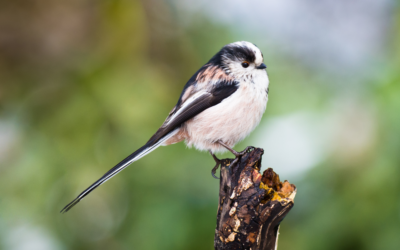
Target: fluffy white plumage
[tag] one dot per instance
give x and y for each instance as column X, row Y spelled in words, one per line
column 236, row 116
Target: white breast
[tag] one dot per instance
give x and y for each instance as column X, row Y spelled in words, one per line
column 231, row 120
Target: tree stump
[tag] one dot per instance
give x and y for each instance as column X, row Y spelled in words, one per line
column 251, row 205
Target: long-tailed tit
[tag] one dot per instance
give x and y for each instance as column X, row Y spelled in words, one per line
column 219, row 106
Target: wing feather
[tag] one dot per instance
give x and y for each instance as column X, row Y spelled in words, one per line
column 193, row 106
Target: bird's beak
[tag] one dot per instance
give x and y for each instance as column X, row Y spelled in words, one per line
column 262, row 66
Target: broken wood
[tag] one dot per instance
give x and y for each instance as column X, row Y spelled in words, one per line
column 251, row 205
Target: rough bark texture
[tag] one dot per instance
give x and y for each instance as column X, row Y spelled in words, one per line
column 251, row 205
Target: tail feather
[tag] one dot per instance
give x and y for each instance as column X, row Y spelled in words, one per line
column 146, row 149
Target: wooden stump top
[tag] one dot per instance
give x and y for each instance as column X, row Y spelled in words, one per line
column 251, row 205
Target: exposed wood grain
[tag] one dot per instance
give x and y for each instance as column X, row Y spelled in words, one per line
column 251, row 205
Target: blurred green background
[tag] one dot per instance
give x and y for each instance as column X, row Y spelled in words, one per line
column 85, row 83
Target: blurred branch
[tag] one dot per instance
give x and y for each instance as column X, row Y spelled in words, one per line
column 251, row 205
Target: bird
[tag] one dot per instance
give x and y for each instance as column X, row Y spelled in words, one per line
column 220, row 105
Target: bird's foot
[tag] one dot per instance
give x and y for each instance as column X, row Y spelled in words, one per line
column 218, row 162
column 241, row 153
column 237, row 157
column 237, row 154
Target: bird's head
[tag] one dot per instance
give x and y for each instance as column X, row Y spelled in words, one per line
column 240, row 60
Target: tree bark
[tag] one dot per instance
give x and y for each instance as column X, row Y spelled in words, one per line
column 251, row 205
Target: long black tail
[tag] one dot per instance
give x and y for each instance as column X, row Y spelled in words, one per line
column 146, row 149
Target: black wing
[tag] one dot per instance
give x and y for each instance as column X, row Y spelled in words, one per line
column 194, row 106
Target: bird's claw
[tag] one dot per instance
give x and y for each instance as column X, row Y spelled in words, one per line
column 218, row 162
column 237, row 156
column 245, row 151
column 214, row 170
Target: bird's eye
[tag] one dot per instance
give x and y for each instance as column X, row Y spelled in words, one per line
column 245, row 64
